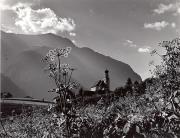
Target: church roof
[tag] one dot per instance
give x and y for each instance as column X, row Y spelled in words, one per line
column 99, row 83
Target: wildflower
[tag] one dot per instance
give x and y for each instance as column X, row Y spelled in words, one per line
column 65, row 68
column 51, row 52
column 64, row 65
column 63, row 51
column 52, row 58
column 66, row 55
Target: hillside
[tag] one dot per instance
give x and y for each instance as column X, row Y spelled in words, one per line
column 21, row 63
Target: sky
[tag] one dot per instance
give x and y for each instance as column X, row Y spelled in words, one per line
column 126, row 30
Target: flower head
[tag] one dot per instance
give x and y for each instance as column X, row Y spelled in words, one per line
column 64, row 52
column 58, row 52
column 65, row 68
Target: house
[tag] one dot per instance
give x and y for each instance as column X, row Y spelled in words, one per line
column 100, row 87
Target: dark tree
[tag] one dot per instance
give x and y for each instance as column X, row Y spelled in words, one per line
column 120, row 92
column 142, row 88
column 6, row 95
column 136, row 87
column 128, row 86
column 81, row 92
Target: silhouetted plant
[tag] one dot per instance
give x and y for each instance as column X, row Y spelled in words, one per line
column 128, row 86
column 136, row 88
column 6, row 95
column 81, row 92
column 120, row 91
column 62, row 76
column 168, row 73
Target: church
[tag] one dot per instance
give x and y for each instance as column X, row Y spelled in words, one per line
column 100, row 87
column 103, row 85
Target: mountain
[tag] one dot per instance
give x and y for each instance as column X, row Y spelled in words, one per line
column 8, row 86
column 21, row 63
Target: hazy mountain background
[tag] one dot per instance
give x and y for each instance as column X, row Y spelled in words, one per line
column 22, row 72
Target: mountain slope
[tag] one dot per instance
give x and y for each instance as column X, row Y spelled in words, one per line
column 7, row 85
column 25, row 69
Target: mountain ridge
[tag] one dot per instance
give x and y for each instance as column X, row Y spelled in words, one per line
column 26, row 62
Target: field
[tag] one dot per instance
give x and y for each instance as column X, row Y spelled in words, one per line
column 122, row 117
column 15, row 106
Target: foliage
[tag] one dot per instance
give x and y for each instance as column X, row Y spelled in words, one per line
column 153, row 114
column 6, row 95
column 167, row 75
column 128, row 86
column 126, row 117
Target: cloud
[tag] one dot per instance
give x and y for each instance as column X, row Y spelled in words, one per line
column 130, row 43
column 140, row 49
column 4, row 7
column 144, row 49
column 39, row 21
column 72, row 34
column 7, row 29
column 173, row 25
column 163, row 8
column 172, row 7
column 157, row 25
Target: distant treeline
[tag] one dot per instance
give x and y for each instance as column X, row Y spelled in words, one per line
column 130, row 88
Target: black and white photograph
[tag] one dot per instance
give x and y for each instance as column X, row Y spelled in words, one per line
column 90, row 69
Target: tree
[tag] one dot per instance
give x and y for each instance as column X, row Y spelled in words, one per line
column 168, row 72
column 6, row 95
column 136, row 87
column 142, row 86
column 81, row 92
column 120, row 92
column 128, row 86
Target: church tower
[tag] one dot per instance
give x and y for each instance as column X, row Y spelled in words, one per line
column 107, row 80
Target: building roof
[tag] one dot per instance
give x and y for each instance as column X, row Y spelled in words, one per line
column 99, row 83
